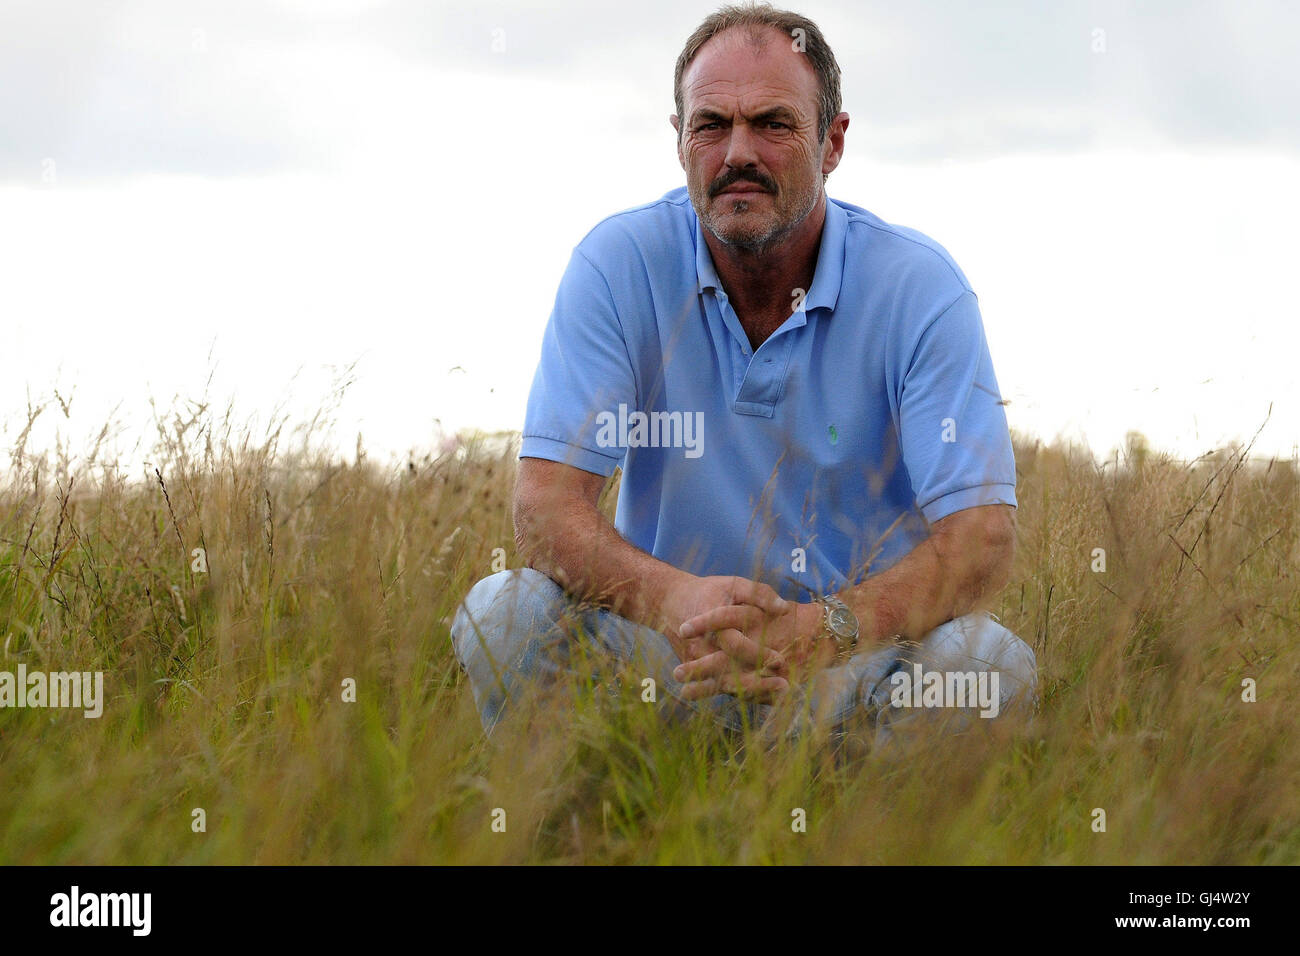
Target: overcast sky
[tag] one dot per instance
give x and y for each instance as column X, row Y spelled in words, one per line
column 265, row 193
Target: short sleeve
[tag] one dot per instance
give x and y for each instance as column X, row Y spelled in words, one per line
column 954, row 436
column 584, row 375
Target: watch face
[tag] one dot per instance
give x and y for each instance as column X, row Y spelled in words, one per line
column 842, row 622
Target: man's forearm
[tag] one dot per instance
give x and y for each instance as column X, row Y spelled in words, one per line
column 965, row 559
column 577, row 547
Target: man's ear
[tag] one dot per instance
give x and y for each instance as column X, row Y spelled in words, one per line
column 833, row 146
column 672, row 118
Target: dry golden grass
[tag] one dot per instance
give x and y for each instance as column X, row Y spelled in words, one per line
column 225, row 694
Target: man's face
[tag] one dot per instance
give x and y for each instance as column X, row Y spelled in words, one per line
column 751, row 124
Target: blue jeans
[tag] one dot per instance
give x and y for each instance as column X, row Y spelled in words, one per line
column 509, row 634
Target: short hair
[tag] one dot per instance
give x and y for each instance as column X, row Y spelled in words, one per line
column 755, row 17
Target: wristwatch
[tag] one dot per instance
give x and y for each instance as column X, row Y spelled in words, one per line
column 840, row 625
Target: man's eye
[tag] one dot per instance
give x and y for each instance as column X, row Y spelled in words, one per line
column 706, row 126
column 775, row 123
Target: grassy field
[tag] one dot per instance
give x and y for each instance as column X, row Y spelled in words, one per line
column 225, row 687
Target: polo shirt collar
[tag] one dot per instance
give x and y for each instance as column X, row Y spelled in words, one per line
column 827, row 278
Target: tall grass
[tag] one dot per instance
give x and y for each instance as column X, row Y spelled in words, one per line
column 225, row 687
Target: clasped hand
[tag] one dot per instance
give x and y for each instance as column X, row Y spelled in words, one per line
column 740, row 637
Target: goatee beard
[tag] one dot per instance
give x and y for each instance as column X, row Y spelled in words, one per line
column 765, row 244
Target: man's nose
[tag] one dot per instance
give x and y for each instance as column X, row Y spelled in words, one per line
column 742, row 147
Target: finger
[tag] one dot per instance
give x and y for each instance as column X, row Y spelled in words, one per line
column 697, row 647
column 733, row 652
column 747, row 651
column 745, row 591
column 710, row 665
column 752, row 686
column 699, row 690
column 749, row 686
column 740, row 616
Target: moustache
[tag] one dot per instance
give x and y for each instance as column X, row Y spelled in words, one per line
column 728, row 181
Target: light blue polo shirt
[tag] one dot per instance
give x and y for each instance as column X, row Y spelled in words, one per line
column 818, row 457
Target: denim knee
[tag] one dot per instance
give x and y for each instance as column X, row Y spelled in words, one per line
column 979, row 642
column 1014, row 660
column 502, row 611
column 502, row 633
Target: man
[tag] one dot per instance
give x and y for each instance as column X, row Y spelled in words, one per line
column 798, row 393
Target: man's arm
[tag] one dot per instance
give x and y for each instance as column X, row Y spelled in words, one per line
column 966, row 559
column 560, row 531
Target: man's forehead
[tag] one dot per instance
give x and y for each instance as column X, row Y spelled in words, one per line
column 730, row 66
